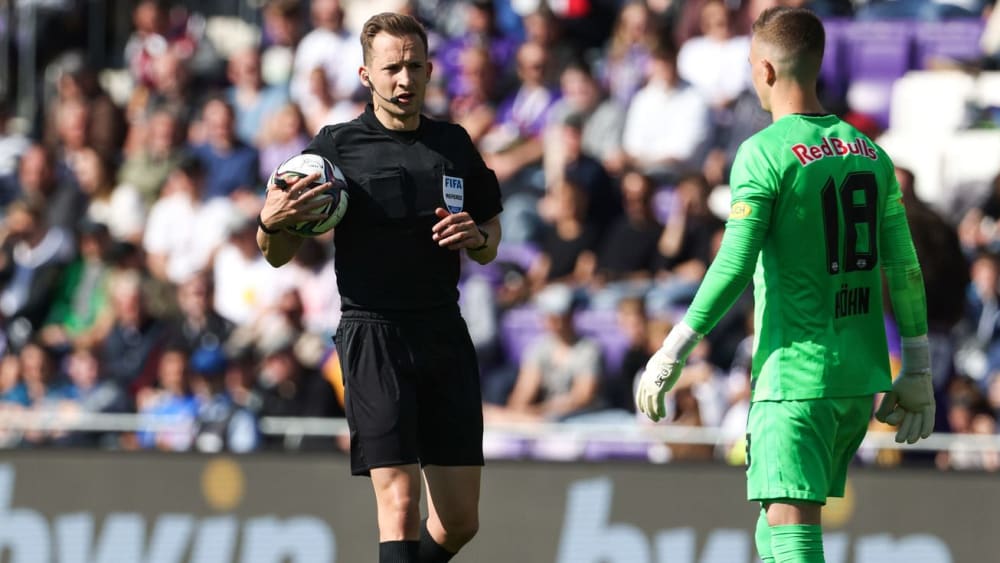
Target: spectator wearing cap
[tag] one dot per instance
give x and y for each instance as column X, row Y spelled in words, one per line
column 561, row 371
column 220, row 425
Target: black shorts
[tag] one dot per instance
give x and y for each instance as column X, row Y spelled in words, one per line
column 411, row 385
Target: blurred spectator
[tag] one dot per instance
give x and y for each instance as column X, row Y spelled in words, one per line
column 129, row 352
column 543, row 28
column 666, row 104
column 288, row 388
column 101, row 123
column 624, row 61
column 220, row 424
column 567, row 244
column 157, row 136
column 560, row 374
column 474, row 92
column 282, row 30
column 514, row 143
column 245, row 285
column 735, row 124
column 171, row 89
column 151, row 37
column 284, row 135
column 573, row 165
column 12, row 144
column 170, row 398
column 329, row 46
column 315, row 276
column 326, row 109
column 979, row 226
column 79, row 315
column 253, row 101
column 634, row 322
column 687, row 244
column 120, row 208
column 946, row 275
column 88, row 392
column 968, row 413
column 628, row 251
column 32, row 256
column 479, row 30
column 230, row 165
column 715, row 62
column 600, row 118
column 184, row 230
column 198, row 325
column 42, row 178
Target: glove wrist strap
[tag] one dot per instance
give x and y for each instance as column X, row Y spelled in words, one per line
column 916, row 356
column 681, row 340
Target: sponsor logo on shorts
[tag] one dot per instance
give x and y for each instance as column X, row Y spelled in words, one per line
column 454, row 193
column 832, row 146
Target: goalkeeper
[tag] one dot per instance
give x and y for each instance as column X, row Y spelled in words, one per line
column 816, row 218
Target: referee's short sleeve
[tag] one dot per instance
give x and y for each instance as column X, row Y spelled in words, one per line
column 482, row 188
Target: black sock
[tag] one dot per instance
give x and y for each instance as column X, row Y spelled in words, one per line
column 430, row 550
column 398, row 552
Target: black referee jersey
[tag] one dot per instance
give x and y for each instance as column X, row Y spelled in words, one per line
column 386, row 259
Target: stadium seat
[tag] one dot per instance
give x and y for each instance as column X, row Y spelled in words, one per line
column 971, row 161
column 921, row 154
column 931, row 103
column 955, row 40
column 988, row 89
column 602, row 326
column 876, row 54
column 519, row 327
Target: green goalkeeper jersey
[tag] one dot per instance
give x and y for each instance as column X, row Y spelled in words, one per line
column 810, row 197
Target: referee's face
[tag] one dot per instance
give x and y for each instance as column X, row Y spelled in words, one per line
column 398, row 73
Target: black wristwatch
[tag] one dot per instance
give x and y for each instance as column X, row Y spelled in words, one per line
column 260, row 223
column 486, row 240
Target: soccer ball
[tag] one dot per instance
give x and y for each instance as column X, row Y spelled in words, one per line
column 302, row 165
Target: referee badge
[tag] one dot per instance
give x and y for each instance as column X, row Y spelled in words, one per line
column 454, row 193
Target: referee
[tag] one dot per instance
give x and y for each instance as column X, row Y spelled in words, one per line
column 419, row 194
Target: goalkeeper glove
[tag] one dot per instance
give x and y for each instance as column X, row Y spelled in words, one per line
column 910, row 403
column 663, row 370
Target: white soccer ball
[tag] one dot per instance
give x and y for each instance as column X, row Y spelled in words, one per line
column 302, row 165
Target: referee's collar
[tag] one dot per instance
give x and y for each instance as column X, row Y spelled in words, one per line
column 409, row 137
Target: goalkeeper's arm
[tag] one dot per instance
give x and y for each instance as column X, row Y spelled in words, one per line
column 910, row 403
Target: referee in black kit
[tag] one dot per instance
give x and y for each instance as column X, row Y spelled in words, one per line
column 419, row 194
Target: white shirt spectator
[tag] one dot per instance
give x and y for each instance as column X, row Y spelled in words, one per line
column 718, row 69
column 246, row 287
column 124, row 213
column 665, row 124
column 187, row 231
column 338, row 53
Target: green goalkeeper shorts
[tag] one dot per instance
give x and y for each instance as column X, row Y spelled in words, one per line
column 800, row 450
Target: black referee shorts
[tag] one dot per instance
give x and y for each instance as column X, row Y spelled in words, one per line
column 411, row 388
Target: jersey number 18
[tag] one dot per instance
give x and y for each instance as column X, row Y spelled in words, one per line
column 856, row 200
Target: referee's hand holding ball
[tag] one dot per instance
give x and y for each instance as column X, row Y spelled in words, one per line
column 287, row 203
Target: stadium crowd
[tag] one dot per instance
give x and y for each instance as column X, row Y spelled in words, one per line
column 130, row 279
